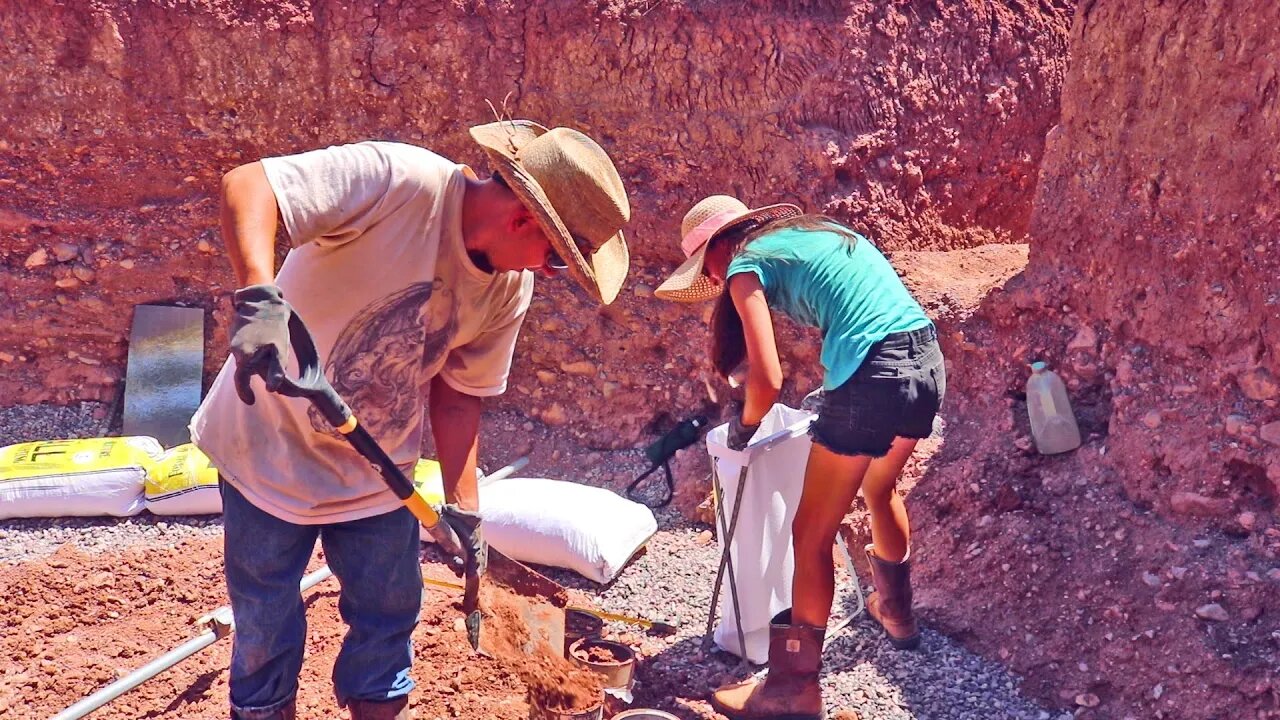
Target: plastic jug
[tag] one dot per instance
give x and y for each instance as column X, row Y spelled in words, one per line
column 1053, row 425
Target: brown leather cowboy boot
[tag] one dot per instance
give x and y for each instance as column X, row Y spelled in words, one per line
column 890, row 604
column 790, row 691
column 397, row 709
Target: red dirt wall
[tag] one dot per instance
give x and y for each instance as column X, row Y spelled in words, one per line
column 1137, row 576
column 921, row 123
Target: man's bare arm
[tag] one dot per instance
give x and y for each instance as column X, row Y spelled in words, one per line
column 455, row 425
column 250, row 217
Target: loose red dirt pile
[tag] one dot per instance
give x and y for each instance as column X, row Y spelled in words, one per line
column 554, row 682
column 75, row 622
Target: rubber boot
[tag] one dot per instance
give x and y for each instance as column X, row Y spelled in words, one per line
column 286, row 712
column 397, row 709
column 790, row 691
column 890, row 604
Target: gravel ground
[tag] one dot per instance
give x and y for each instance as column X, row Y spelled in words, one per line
column 28, row 539
column 31, row 539
column 671, row 581
column 26, row 423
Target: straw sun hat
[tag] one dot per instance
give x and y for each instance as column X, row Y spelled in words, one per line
column 704, row 221
column 569, row 184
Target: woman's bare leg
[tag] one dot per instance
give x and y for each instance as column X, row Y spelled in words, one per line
column 890, row 528
column 831, row 482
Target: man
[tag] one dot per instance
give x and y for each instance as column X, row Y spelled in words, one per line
column 413, row 276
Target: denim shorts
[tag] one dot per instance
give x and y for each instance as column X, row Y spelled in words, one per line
column 896, row 392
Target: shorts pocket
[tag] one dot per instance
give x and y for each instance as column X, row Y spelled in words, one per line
column 939, row 375
column 884, row 371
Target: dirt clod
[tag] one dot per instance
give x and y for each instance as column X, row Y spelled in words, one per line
column 553, row 682
column 600, row 655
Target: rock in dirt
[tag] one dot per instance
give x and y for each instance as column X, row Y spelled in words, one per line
column 1088, row 700
column 1258, row 384
column 1270, row 432
column 36, row 259
column 1212, row 611
column 1189, row 503
column 555, row 415
column 65, row 252
column 581, row 368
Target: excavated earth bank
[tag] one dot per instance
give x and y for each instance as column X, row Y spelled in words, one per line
column 1140, row 575
column 1136, row 577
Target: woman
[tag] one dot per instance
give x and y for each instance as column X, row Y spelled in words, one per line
column 883, row 384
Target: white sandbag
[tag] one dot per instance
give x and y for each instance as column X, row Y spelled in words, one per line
column 589, row 530
column 763, row 555
column 183, row 483
column 66, row 478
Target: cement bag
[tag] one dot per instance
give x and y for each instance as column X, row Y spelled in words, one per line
column 763, row 557
column 589, row 530
column 65, row 478
column 429, row 484
column 183, row 483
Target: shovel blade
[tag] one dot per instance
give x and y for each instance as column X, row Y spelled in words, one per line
column 510, row 593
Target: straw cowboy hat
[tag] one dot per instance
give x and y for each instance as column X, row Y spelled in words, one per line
column 704, row 221
column 570, row 185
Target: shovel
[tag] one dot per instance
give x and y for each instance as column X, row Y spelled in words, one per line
column 539, row 599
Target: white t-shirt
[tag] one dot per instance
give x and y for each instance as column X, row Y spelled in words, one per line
column 379, row 274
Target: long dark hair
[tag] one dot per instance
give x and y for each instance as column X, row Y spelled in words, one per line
column 728, row 343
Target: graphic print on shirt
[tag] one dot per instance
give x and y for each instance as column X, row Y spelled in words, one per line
column 378, row 362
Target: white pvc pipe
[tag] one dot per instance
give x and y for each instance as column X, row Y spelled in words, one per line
column 169, row 659
column 207, row 638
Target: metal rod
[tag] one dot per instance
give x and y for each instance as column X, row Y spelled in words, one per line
column 717, row 498
column 507, row 471
column 726, row 559
column 173, row 657
column 320, row 575
column 733, row 580
column 137, row 677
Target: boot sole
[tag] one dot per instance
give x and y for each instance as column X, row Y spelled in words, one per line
column 908, row 643
column 792, row 716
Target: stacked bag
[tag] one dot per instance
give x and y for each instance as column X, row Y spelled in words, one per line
column 589, row 530
column 118, row 476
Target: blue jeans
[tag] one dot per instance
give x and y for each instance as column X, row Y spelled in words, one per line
column 376, row 561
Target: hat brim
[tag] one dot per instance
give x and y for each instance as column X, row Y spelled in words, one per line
column 604, row 275
column 688, row 284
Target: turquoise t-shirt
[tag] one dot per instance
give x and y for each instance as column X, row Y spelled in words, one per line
column 846, row 289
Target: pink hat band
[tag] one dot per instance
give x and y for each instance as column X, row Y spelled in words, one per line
column 699, row 236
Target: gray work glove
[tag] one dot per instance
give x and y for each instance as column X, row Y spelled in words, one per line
column 739, row 434
column 460, row 537
column 813, row 401
column 259, row 337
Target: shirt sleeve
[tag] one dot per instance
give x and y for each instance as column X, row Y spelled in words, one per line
column 333, row 195
column 481, row 367
column 749, row 264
